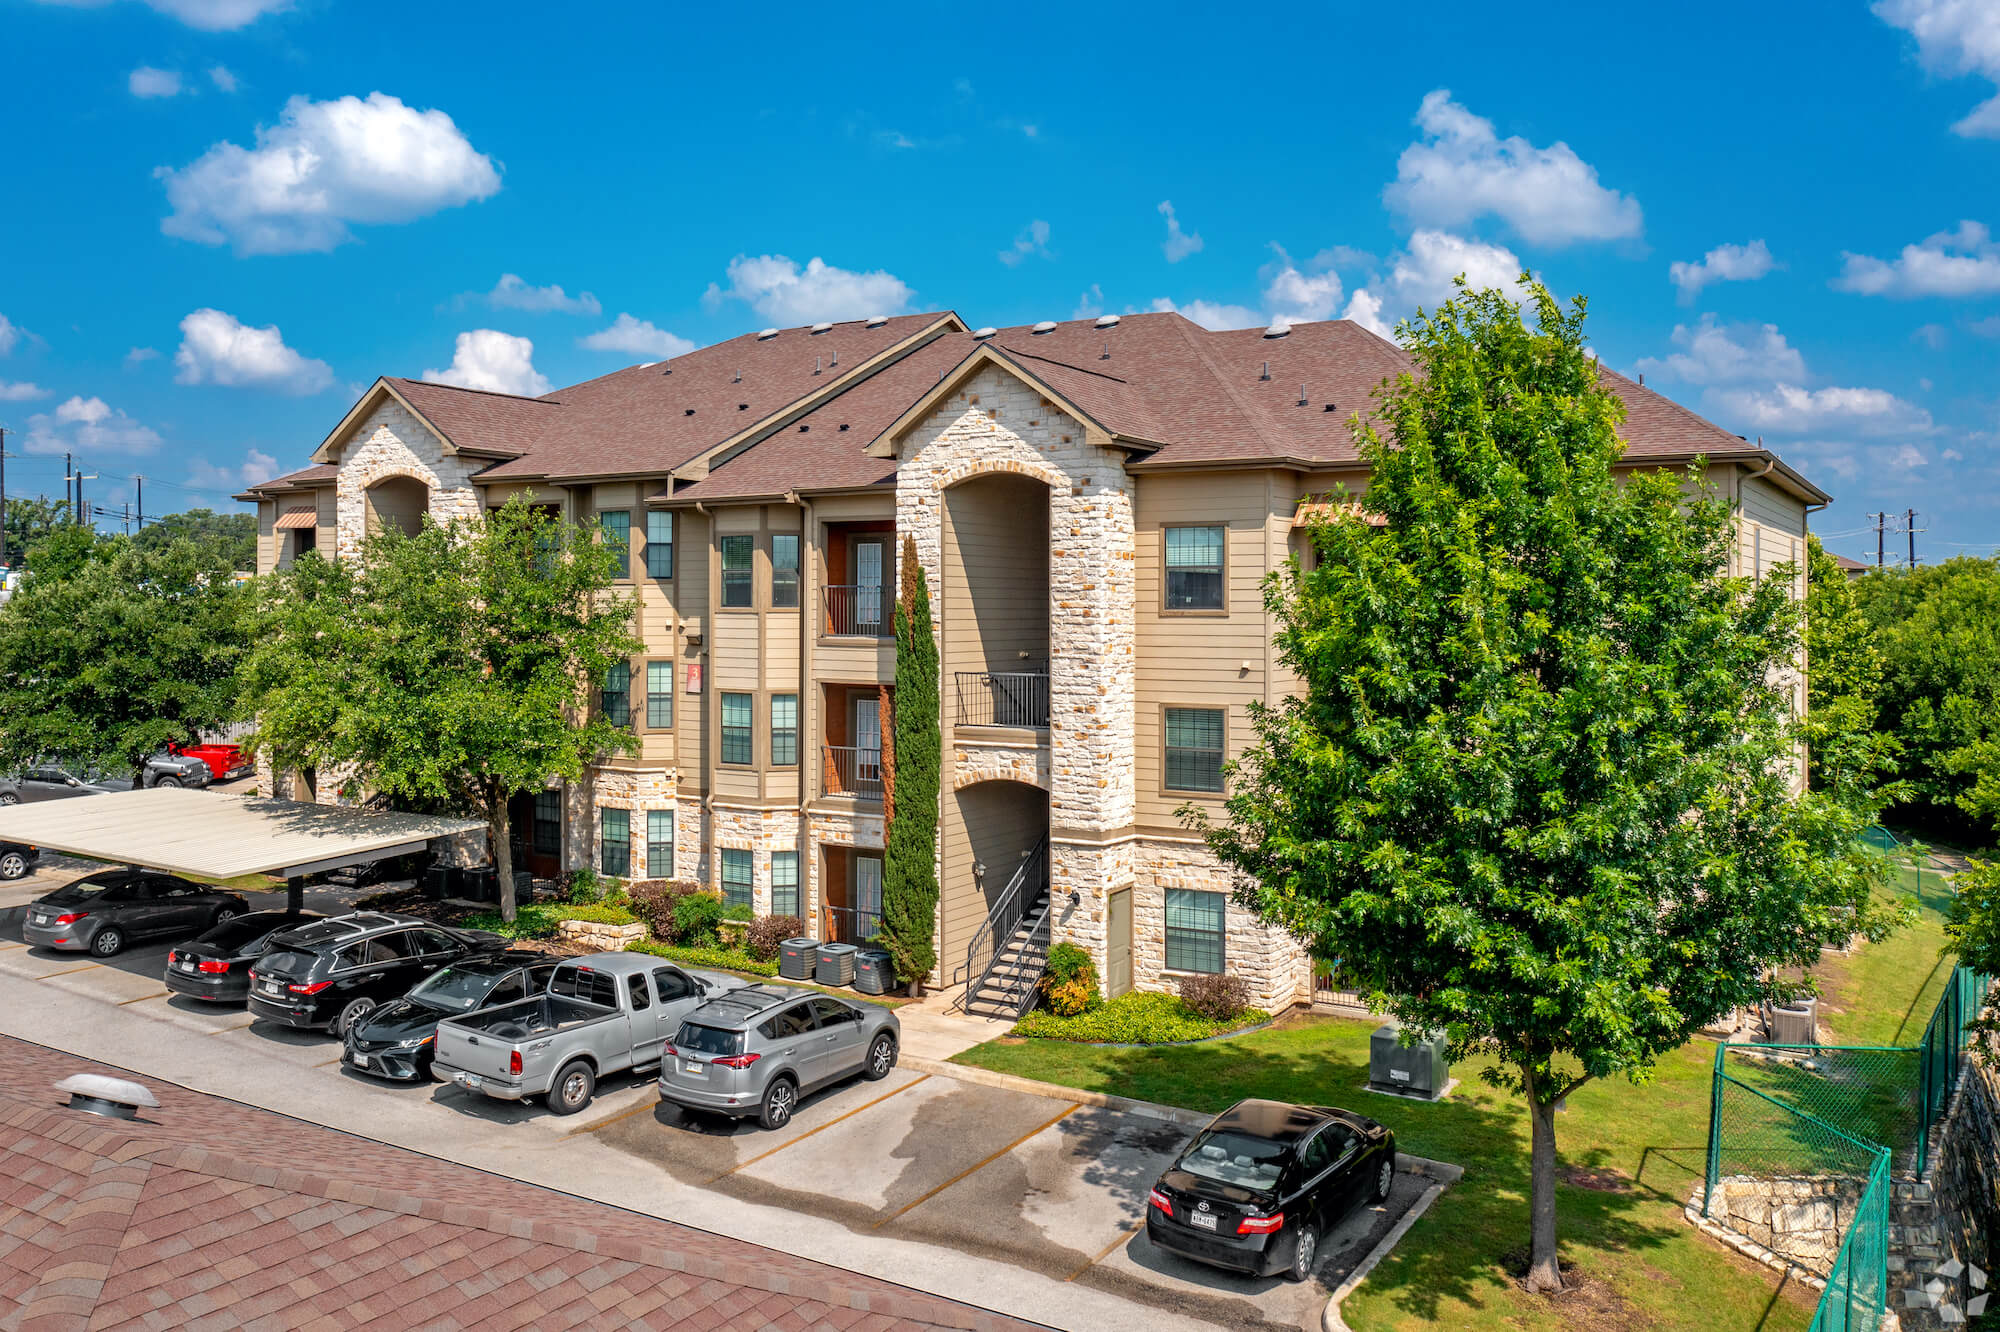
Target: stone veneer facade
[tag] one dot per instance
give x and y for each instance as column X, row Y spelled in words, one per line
column 392, row 443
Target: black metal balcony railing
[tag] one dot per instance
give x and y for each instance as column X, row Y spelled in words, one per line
column 1003, row 698
column 851, row 771
column 859, row 611
column 842, row 924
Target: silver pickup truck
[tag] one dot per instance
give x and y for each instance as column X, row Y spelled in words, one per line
column 601, row 1014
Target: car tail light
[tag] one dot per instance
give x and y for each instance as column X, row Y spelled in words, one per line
column 514, row 1063
column 71, row 918
column 1261, row 1225
column 212, row 966
column 669, row 1050
column 1159, row 1200
column 313, row 988
column 737, row 1061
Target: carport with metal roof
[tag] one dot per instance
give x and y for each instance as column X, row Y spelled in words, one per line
column 207, row 835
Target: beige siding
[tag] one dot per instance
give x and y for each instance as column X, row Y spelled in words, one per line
column 267, row 537
column 1767, row 504
column 990, row 823
column 996, row 575
column 692, row 561
column 327, row 521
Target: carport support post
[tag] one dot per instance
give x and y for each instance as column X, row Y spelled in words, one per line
column 295, row 893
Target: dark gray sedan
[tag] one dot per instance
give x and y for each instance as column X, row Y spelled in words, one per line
column 100, row 913
column 48, row 782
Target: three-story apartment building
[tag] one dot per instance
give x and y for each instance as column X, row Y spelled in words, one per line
column 1096, row 504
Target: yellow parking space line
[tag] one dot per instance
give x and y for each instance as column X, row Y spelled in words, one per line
column 8, row 948
column 67, row 971
column 1105, row 1252
column 241, row 1026
column 609, row 1120
column 973, row 1169
column 144, row 997
column 823, row 1127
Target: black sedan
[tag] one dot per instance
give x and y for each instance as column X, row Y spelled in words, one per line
column 216, row 965
column 1259, row 1188
column 396, row 1041
column 103, row 912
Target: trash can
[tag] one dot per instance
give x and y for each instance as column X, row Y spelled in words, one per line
column 836, row 964
column 1410, row 1070
column 874, row 972
column 438, row 882
column 798, row 958
column 524, row 885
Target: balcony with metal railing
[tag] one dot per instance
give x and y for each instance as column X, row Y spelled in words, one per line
column 1003, row 698
column 848, row 770
column 858, row 611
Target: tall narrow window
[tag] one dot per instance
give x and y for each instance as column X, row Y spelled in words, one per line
column 784, row 730
column 1194, row 749
column 659, row 544
column 1194, row 568
column 1194, row 930
column 616, row 697
column 659, row 695
column 660, row 843
column 867, row 896
column 614, row 842
column 785, row 883
column 738, row 554
column 547, row 837
column 736, row 728
column 738, row 883
column 617, row 528
column 784, row 570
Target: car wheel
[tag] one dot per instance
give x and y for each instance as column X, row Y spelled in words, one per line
column 1385, row 1179
column 353, row 1015
column 780, row 1099
column 107, row 942
column 13, row 865
column 9, row 798
column 1305, row 1253
column 224, row 915
column 574, row 1086
column 881, row 1057
column 167, row 781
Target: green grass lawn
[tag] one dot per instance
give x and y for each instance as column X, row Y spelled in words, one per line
column 1883, row 994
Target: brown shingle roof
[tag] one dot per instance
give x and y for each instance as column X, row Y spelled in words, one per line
column 319, row 475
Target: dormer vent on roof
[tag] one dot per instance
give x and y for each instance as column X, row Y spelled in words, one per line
column 876, row 321
column 981, row 334
column 1277, row 330
column 767, row 334
column 1106, row 321
column 1046, row 326
column 821, row 327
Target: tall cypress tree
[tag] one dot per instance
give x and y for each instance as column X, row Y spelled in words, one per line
column 909, row 865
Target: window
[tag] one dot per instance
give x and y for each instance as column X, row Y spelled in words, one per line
column 635, row 985
column 737, row 887
column 794, row 1021
column 784, row 883
column 660, row 843
column 659, row 695
column 671, row 984
column 431, row 943
column 510, row 990
column 617, row 528
column 616, row 699
column 833, row 1013
column 303, row 540
column 1194, row 930
column 737, row 553
column 573, row 981
column 614, row 842
column 1194, row 749
column 736, row 728
column 784, row 570
column 659, row 544
column 784, row 730
column 547, row 834
column 1194, row 568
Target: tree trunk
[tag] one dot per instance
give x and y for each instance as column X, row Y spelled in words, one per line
column 1544, row 1273
column 503, row 853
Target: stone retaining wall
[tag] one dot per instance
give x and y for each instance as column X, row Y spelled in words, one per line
column 599, row 936
column 1796, row 1221
column 1953, row 1212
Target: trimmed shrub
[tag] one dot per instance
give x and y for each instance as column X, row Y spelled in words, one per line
column 1137, row 1018
column 1217, row 998
column 720, row 959
column 603, row 914
column 583, row 887
column 653, row 900
column 539, row 922
column 1069, row 982
column 695, row 918
column 767, row 932
column 739, row 911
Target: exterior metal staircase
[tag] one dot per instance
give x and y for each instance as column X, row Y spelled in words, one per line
column 1017, row 932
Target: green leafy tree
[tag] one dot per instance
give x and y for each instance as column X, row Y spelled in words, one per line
column 1536, row 785
column 108, row 652
column 909, row 864
column 1843, row 682
column 458, row 665
column 234, row 533
column 29, row 520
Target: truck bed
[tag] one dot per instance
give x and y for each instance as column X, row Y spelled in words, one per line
column 484, row 1041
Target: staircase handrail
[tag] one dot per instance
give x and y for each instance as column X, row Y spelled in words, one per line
column 1011, row 900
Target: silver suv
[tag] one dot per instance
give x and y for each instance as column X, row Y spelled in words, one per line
column 755, row 1051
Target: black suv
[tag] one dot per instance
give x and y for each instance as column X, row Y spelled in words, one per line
column 396, row 1041
column 333, row 973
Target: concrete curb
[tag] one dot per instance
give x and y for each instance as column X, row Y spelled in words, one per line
column 1330, row 1319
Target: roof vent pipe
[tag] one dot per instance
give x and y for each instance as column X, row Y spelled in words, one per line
column 815, row 365
column 1106, row 355
column 1302, row 396
column 738, row 379
column 1642, row 379
column 1267, row 371
column 113, row 1098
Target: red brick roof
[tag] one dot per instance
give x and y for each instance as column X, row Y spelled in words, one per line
column 221, row 1212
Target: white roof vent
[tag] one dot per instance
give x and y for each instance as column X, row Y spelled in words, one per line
column 876, row 321
column 767, row 335
column 821, row 327
column 1046, row 326
column 1107, row 321
column 982, row 334
column 114, row 1098
column 1277, row 330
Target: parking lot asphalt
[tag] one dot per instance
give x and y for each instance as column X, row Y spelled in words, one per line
column 1028, row 1204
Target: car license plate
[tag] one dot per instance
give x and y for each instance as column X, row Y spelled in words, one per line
column 360, row 1060
column 272, row 987
column 1202, row 1220
column 693, row 1069
column 41, row 919
column 187, row 965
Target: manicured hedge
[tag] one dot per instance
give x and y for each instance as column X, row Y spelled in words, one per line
column 539, row 922
column 1137, row 1018
column 721, row 959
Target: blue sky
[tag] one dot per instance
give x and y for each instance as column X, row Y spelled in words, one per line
column 225, row 217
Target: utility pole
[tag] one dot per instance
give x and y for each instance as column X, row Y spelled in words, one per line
column 69, row 479
column 139, row 502
column 1910, row 526
column 81, row 477
column 126, row 512
column 1879, row 518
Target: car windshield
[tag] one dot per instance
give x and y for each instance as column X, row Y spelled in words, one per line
column 695, row 1038
column 1236, row 1158
column 455, row 990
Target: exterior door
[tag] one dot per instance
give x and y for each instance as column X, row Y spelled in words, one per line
column 868, row 606
column 867, row 897
column 182, row 906
column 840, row 1051
column 868, row 743
column 1118, row 945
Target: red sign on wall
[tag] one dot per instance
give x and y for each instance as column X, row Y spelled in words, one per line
column 694, row 677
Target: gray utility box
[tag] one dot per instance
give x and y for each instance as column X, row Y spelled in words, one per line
column 836, row 964
column 1796, row 1023
column 874, row 972
column 1407, row 1070
column 798, row 959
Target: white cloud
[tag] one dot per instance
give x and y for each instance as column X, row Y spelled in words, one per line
column 1090, row 304
column 1988, row 327
column 512, row 293
column 1422, row 273
column 208, row 15
column 1033, row 240
column 1724, row 263
column 1965, row 262
column 219, row 348
column 88, row 426
column 140, row 355
column 146, row 81
column 1788, row 409
column 638, row 337
column 256, row 468
column 21, row 391
column 1214, row 314
column 779, row 290
column 486, row 358
column 1954, row 38
column 10, row 333
column 1712, row 353
column 1179, row 244
column 322, row 167
column 1933, row 336
column 1462, row 170
column 1295, row 297
column 223, row 80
